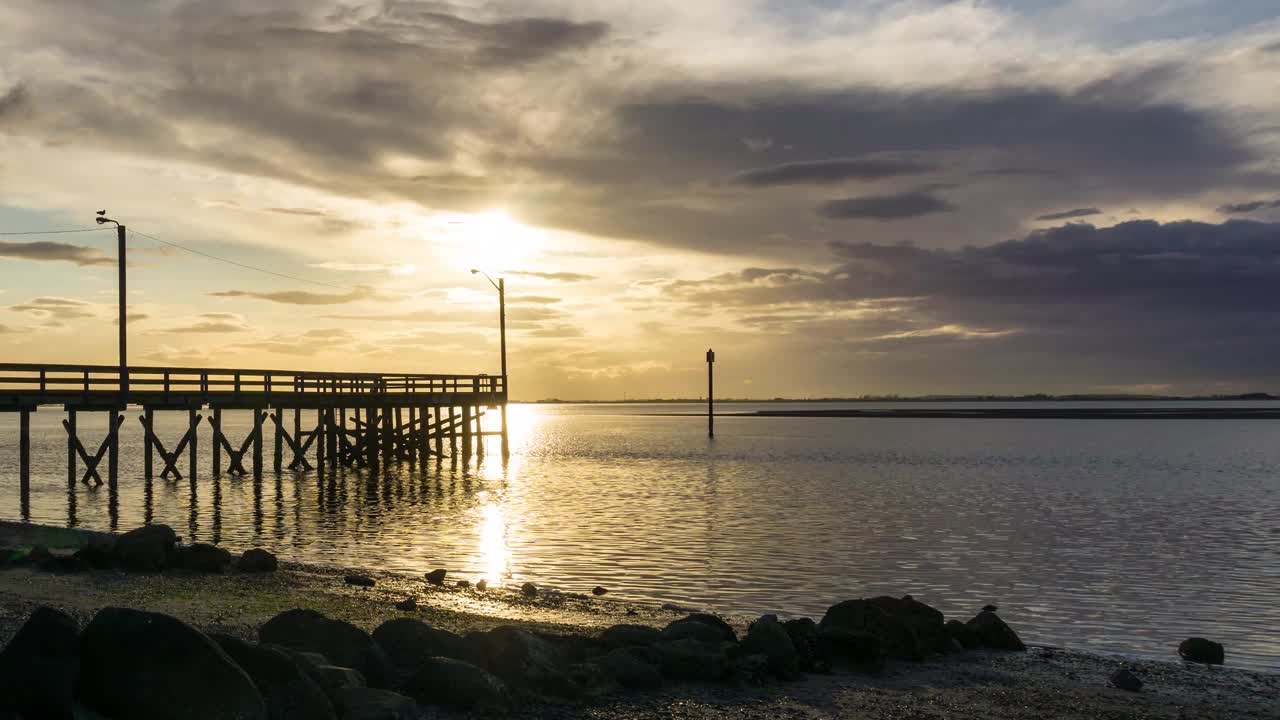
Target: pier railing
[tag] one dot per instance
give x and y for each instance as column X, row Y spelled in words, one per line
column 41, row 383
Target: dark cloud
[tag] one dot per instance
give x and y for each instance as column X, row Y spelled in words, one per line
column 520, row 40
column 301, row 297
column 902, row 206
column 1069, row 214
column 556, row 276
column 55, row 252
column 1248, row 207
column 213, row 323
column 56, row 308
column 825, row 172
column 305, row 212
column 13, row 100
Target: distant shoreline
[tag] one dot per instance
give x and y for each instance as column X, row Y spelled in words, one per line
column 1246, row 397
column 1038, row 413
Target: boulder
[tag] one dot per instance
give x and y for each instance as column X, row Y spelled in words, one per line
column 591, row 680
column 804, row 638
column 524, row 660
column 749, row 669
column 409, row 643
column 148, row 666
column 256, row 560
column 631, row 669
column 463, row 584
column 1125, row 680
column 148, row 548
column 769, row 638
column 962, row 635
column 1200, row 650
column 40, row 666
column 992, row 632
column 598, row 591
column 100, row 556
column 690, row 659
column 859, row 649
column 627, row 635
column 906, row 629
column 726, row 632
column 332, row 679
column 701, row 632
column 407, row 605
column 437, row 576
column 288, row 691
column 360, row 580
column 341, row 642
column 373, row 704
column 482, row 585
column 456, row 684
column 204, row 558
column 529, row 590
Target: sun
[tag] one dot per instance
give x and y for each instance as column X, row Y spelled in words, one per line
column 492, row 238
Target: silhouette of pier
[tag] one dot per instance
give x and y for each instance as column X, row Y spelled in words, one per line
column 336, row 419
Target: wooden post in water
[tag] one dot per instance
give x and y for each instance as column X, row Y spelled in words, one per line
column 24, row 454
column 277, row 446
column 466, row 431
column 147, row 469
column 711, row 403
column 453, row 430
column 320, row 441
column 71, row 450
column 438, row 413
column 113, row 449
column 217, row 443
column 257, row 444
column 193, row 426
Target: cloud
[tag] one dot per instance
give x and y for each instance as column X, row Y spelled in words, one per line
column 556, row 276
column 393, row 269
column 902, row 206
column 1248, row 207
column 826, row 172
column 57, row 308
column 532, row 300
column 45, row 251
column 212, row 323
column 1069, row 214
column 14, row 100
column 301, row 297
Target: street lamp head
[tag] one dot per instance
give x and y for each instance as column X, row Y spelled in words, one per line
column 474, row 271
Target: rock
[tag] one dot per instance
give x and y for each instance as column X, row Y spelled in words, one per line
column 591, row 680
column 409, row 643
column 529, row 590
column 862, row 650
column 256, row 560
column 436, row 577
column 906, row 629
column 99, row 556
column 699, row 632
column 989, row 608
column 146, row 666
column 39, row 554
column 749, row 669
column 1126, row 680
column 963, row 636
column 63, row 561
column 204, row 558
column 341, row 642
column 463, row 584
column 630, row 669
column 148, row 548
column 372, row 704
column 334, row 678
column 1200, row 650
column 992, row 632
column 598, row 591
column 726, row 632
column 407, row 605
column 40, row 666
column 482, row 585
column 524, row 660
column 804, row 638
column 457, row 684
column 288, row 691
column 767, row 637
column 625, row 635
column 689, row 659
column 360, row 580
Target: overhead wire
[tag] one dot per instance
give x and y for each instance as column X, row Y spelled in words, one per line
column 246, row 266
column 53, row 232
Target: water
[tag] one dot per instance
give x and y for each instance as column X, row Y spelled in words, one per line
column 1119, row 536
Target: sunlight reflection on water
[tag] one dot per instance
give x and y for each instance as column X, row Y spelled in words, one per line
column 1114, row 535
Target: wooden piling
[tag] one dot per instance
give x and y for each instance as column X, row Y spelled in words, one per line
column 24, row 455
column 506, row 446
column 217, row 442
column 257, row 443
column 70, row 424
column 439, row 431
column 193, row 427
column 466, row 431
column 331, row 436
column 277, row 450
column 320, row 439
column 113, row 449
column 453, row 430
column 149, row 417
column 388, row 439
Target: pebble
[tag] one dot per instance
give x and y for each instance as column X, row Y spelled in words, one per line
column 360, row 580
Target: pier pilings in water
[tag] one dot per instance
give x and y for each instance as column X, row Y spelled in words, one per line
column 352, row 420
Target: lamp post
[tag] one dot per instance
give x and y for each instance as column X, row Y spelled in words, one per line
column 102, row 219
column 501, row 287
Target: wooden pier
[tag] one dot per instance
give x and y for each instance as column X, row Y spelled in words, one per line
column 317, row 420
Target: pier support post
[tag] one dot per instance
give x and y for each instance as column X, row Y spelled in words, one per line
column 277, row 450
column 371, row 437
column 506, row 446
column 388, row 439
column 149, row 417
column 24, row 458
column 320, row 438
column 453, row 430
column 113, row 450
column 466, row 431
column 217, row 441
column 424, row 435
column 72, row 440
column 439, row 427
column 257, row 443
column 331, row 437
column 193, row 429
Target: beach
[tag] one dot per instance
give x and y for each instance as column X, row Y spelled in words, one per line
column 1041, row 682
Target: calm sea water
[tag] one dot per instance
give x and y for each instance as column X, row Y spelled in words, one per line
column 1114, row 536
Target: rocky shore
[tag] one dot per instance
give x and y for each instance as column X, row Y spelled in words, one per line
column 138, row 626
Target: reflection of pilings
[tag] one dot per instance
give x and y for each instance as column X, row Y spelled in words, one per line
column 70, row 425
column 466, row 431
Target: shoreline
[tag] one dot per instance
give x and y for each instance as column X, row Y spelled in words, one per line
column 971, row 683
